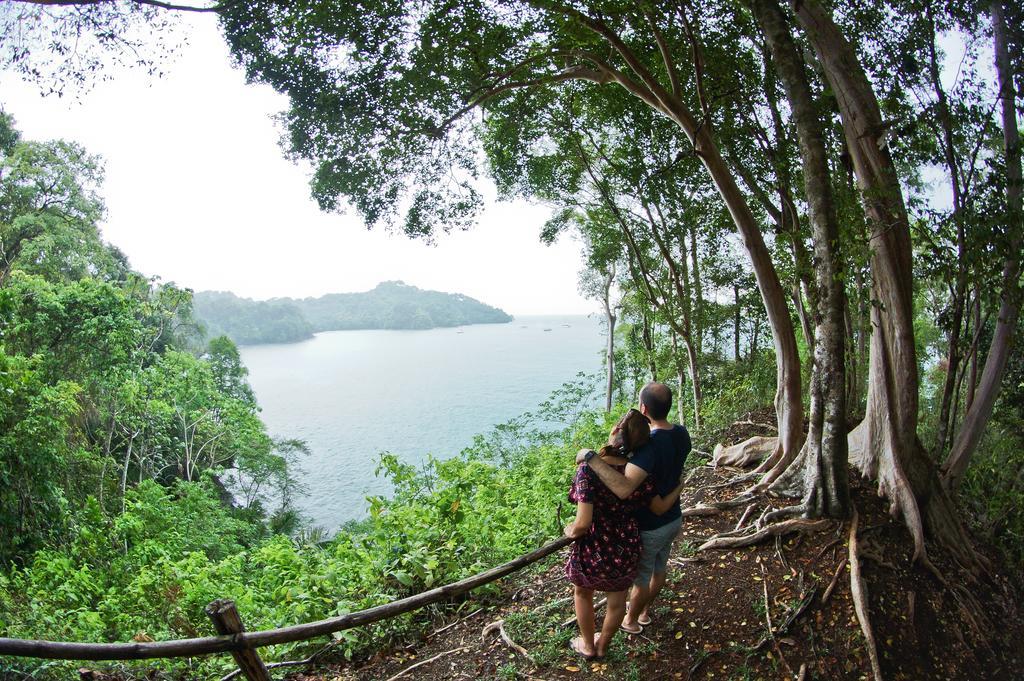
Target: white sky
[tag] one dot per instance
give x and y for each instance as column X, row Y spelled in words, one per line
column 198, row 192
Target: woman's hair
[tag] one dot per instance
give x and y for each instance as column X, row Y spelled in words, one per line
column 630, row 434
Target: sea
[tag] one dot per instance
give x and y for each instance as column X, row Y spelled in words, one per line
column 352, row 395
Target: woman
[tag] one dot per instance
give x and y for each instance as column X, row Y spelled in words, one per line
column 605, row 554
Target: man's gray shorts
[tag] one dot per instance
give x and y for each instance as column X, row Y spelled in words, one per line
column 657, row 544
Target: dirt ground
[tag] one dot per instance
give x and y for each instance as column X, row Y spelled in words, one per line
column 756, row 612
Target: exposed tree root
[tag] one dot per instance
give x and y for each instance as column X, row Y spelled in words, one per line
column 743, row 517
column 735, row 480
column 785, row 512
column 427, row 661
column 745, row 453
column 703, row 509
column 773, row 530
column 858, row 590
column 499, row 626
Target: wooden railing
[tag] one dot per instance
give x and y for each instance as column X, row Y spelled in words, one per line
column 243, row 644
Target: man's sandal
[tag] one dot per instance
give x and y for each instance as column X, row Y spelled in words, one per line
column 644, row 620
column 638, row 630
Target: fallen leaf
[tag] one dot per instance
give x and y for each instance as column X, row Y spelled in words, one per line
column 571, row 668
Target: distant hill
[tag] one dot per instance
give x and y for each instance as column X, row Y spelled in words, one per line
column 248, row 321
column 391, row 305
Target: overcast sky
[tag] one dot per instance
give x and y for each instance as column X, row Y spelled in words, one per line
column 198, row 192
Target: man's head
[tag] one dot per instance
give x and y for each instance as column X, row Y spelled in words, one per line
column 656, row 401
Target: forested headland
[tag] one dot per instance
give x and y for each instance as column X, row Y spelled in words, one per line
column 807, row 217
column 390, row 305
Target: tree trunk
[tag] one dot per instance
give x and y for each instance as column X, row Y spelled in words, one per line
column 821, row 467
column 885, row 444
column 649, row 347
column 609, row 356
column 736, row 324
column 681, row 379
column 980, row 411
column 960, row 290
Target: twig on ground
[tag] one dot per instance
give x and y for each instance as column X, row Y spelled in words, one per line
column 835, row 580
column 858, row 590
column 427, row 661
column 827, row 546
column 778, row 551
column 790, row 619
column 768, row 618
column 449, row 626
column 286, row 663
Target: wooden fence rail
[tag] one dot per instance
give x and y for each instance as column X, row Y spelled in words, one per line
column 244, row 641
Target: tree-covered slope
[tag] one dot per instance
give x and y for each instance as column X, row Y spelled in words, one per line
column 391, row 305
column 248, row 321
column 396, row 305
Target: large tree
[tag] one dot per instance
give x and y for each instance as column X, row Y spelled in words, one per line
column 383, row 98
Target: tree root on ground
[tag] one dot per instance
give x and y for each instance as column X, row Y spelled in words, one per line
column 785, row 512
column 427, row 661
column 743, row 517
column 717, row 506
column 741, row 455
column 859, row 592
column 774, row 530
column 499, row 626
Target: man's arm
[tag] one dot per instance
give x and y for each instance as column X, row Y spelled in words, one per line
column 620, row 485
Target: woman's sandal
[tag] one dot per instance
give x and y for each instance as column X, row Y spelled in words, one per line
column 576, row 646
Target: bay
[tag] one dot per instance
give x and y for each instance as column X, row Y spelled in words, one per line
column 354, row 394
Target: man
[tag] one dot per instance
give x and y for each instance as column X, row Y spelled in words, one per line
column 662, row 459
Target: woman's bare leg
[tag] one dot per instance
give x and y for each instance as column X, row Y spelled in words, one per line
column 615, row 610
column 584, row 602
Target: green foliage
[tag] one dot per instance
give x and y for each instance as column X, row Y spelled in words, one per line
column 36, row 451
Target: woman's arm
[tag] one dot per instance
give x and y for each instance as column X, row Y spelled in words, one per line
column 659, row 505
column 581, row 525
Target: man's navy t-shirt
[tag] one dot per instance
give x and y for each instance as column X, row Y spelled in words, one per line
column 663, row 458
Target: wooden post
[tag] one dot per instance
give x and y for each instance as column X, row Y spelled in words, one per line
column 227, row 621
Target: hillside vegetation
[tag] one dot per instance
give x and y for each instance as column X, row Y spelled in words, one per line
column 391, row 305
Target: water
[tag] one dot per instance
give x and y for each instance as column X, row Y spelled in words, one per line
column 353, row 394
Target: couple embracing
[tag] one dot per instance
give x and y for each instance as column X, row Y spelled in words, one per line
column 627, row 515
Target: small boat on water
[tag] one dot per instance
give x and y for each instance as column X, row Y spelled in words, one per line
column 547, row 329
column 565, row 326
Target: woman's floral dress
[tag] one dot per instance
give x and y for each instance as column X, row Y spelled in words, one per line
column 606, row 558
